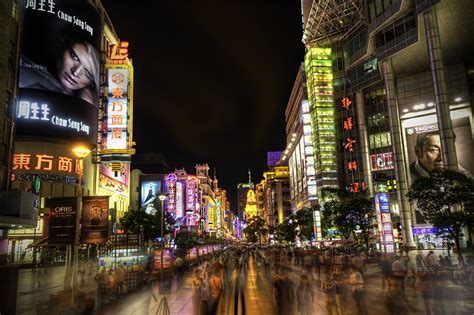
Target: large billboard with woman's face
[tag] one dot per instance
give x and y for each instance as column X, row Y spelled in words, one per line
column 59, row 70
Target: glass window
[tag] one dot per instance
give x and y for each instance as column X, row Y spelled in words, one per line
column 378, row 7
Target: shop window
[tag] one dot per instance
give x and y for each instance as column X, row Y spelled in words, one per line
column 380, row 140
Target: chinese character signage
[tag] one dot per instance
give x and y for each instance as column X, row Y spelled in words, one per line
column 384, row 222
column 171, row 181
column 62, row 220
column 191, row 190
column 116, row 181
column 382, row 162
column 59, row 70
column 117, row 108
column 29, row 162
column 94, row 223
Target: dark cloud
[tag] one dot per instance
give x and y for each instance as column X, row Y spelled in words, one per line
column 212, row 79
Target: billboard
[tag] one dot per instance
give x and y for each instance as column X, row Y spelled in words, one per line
column 382, row 161
column 59, row 70
column 117, row 107
column 150, row 189
column 95, row 224
column 62, row 220
column 423, row 147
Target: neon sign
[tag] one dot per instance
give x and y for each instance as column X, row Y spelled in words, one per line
column 171, row 192
column 46, row 162
column 191, row 194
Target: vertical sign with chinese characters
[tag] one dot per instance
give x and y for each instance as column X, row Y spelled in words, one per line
column 309, row 152
column 171, row 192
column 117, row 108
column 384, row 221
column 191, row 188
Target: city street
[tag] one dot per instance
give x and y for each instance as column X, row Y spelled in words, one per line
column 258, row 293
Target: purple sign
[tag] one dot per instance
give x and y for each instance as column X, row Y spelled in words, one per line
column 425, row 230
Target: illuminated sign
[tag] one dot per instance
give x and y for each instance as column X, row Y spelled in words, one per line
column 46, row 163
column 349, row 144
column 382, row 162
column 308, row 152
column 59, row 70
column 384, row 222
column 114, row 180
column 211, row 215
column 119, row 53
column 348, row 123
column 179, row 199
column 357, row 187
column 352, row 166
column 117, row 108
column 191, row 188
column 171, row 192
column 346, row 102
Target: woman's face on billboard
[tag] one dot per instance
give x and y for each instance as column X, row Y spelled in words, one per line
column 75, row 70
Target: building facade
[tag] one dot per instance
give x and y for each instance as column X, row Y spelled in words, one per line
column 400, row 78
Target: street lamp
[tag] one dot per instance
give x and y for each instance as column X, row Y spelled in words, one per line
column 162, row 198
column 81, row 152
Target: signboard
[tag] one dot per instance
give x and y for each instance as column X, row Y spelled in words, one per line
column 191, row 188
column 423, row 146
column 179, row 199
column 62, row 220
column 25, row 162
column 384, row 221
column 117, row 108
column 382, row 162
column 167, row 259
column 95, row 223
column 171, row 192
column 149, row 192
column 59, row 70
column 116, row 182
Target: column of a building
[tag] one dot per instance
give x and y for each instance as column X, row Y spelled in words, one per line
column 364, row 141
column 397, row 147
column 440, row 85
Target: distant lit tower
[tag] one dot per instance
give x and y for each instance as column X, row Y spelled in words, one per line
column 242, row 190
column 250, row 205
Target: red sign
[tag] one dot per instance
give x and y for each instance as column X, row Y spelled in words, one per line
column 346, row 102
column 349, row 144
column 167, row 259
column 348, row 123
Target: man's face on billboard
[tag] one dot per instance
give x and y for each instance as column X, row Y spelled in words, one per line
column 430, row 156
column 75, row 70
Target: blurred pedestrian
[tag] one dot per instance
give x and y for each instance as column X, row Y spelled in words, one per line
column 396, row 301
column 304, row 297
column 283, row 294
column 216, row 291
column 356, row 285
column 197, row 284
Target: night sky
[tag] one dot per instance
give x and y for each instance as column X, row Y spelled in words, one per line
column 212, row 79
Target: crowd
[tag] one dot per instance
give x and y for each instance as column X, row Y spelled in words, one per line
column 300, row 276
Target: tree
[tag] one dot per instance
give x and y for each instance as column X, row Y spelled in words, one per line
column 349, row 212
column 446, row 199
column 134, row 220
column 256, row 229
column 183, row 243
column 304, row 223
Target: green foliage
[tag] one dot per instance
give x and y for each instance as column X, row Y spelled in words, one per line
column 348, row 212
column 446, row 199
column 256, row 229
column 133, row 220
column 299, row 224
column 183, row 243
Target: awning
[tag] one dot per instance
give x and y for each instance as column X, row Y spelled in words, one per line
column 39, row 243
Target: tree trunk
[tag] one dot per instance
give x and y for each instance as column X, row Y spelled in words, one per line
column 456, row 241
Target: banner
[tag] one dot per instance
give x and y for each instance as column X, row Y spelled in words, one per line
column 95, row 224
column 59, row 70
column 62, row 220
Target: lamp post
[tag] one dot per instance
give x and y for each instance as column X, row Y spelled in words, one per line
column 81, row 152
column 162, row 199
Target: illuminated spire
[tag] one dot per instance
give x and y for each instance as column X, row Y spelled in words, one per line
column 250, row 177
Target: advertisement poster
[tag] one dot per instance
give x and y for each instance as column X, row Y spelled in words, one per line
column 95, row 224
column 62, row 220
column 424, row 153
column 149, row 192
column 114, row 181
column 167, row 259
column 59, row 70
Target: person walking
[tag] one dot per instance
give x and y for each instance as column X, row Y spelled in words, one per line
column 215, row 284
column 356, row 284
column 304, row 297
column 396, row 301
column 197, row 285
column 328, row 287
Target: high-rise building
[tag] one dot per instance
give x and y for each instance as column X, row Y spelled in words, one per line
column 242, row 190
column 384, row 77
